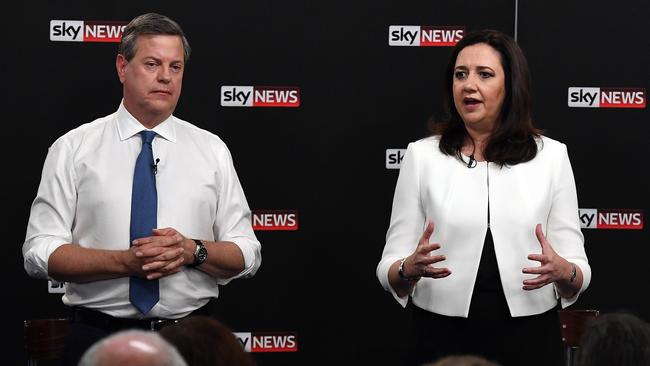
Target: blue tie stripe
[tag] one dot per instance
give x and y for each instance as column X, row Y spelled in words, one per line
column 143, row 293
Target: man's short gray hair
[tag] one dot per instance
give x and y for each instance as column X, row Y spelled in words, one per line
column 151, row 24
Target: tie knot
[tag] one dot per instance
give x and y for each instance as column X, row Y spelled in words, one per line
column 147, row 136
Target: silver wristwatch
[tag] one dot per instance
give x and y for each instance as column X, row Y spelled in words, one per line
column 402, row 276
column 200, row 253
column 573, row 273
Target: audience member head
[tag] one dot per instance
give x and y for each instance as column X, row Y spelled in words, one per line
column 204, row 341
column 620, row 339
column 461, row 360
column 133, row 348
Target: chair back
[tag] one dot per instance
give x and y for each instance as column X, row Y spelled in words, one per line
column 573, row 324
column 45, row 338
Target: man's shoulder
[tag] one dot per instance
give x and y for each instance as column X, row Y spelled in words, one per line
column 199, row 135
column 80, row 133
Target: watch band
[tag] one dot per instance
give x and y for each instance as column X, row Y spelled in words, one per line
column 402, row 276
column 573, row 273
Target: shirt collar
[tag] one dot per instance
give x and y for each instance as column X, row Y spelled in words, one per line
column 128, row 126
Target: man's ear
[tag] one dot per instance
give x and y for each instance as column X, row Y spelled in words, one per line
column 121, row 64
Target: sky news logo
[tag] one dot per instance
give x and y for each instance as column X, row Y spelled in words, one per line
column 424, row 36
column 268, row 341
column 394, row 158
column 86, row 31
column 265, row 220
column 607, row 97
column 260, row 96
column 628, row 219
column 55, row 287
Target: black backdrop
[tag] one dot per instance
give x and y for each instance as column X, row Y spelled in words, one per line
column 326, row 159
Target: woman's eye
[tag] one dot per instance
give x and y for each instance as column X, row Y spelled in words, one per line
column 485, row 75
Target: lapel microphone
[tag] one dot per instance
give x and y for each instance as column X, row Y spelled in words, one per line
column 472, row 162
column 155, row 166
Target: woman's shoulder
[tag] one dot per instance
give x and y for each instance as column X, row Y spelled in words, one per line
column 427, row 146
column 550, row 150
column 428, row 142
column 549, row 145
column 425, row 149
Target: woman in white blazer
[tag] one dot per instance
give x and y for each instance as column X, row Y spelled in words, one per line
column 484, row 234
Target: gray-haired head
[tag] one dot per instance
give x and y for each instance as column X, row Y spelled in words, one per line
column 150, row 24
column 132, row 347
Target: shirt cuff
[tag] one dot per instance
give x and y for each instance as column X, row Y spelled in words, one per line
column 252, row 258
column 586, row 279
column 382, row 274
column 37, row 257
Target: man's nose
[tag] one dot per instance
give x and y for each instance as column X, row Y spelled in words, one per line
column 164, row 75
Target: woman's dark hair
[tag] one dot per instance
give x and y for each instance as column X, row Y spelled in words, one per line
column 513, row 140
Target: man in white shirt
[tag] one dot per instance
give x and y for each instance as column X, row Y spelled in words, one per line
column 140, row 163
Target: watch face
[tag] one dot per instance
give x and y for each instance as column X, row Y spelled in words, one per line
column 202, row 254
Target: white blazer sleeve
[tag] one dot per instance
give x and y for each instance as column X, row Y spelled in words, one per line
column 563, row 227
column 407, row 220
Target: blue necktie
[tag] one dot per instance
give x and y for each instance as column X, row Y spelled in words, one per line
column 143, row 293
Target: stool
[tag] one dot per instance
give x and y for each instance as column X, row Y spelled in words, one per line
column 572, row 326
column 44, row 339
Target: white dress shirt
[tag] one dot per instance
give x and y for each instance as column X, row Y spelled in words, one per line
column 85, row 198
column 435, row 186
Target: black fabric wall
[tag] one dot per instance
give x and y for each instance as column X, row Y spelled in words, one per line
column 327, row 158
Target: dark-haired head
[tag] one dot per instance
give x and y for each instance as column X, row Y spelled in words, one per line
column 619, row 338
column 513, row 138
column 150, row 24
column 205, row 341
